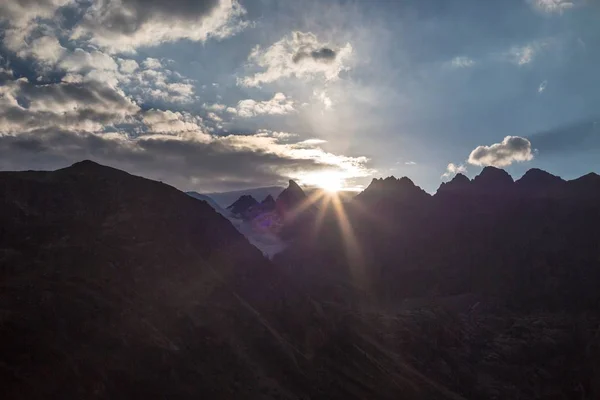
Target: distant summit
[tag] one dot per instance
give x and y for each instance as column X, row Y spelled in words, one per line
column 537, row 179
column 268, row 204
column 459, row 183
column 493, row 178
column 242, row 205
column 290, row 198
column 392, row 189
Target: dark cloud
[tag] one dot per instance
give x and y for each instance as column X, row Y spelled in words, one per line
column 86, row 106
column 127, row 24
column 186, row 164
column 511, row 149
column 324, row 55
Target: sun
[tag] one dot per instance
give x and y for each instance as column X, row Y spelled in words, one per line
column 330, row 181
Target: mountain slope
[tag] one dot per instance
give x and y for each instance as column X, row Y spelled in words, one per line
column 210, row 202
column 115, row 286
column 489, row 271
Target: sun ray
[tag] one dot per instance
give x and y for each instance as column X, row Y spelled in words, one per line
column 324, row 207
column 352, row 247
column 305, row 205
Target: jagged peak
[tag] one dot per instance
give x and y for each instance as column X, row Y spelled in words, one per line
column 458, row 181
column 538, row 177
column 242, row 203
column 460, row 178
column 293, row 185
column 493, row 176
column 268, row 199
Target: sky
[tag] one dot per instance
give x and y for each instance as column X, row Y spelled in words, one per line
column 217, row 95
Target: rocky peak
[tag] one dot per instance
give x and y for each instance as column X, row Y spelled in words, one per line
column 242, row 205
column 537, row 178
column 392, row 188
column 457, row 183
column 492, row 177
column 292, row 195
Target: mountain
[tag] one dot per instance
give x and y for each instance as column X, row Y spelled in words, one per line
column 209, row 201
column 242, row 205
column 393, row 191
column 268, row 204
column 115, row 286
column 288, row 200
column 478, row 269
column 225, row 199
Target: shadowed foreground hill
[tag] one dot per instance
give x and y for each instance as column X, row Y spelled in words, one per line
column 113, row 286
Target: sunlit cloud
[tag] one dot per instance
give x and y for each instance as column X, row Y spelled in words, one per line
column 124, row 25
column 511, row 149
column 453, row 169
column 278, row 105
column 300, row 55
column 552, row 6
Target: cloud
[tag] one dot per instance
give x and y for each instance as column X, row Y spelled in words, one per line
column 511, row 149
column 50, row 126
column 89, row 107
column 169, row 122
column 278, row 105
column 300, row 55
column 124, row 25
column 552, row 6
column 462, row 62
column 526, row 54
column 453, row 169
column 542, row 86
column 410, row 163
column 152, row 63
column 221, row 163
column 45, row 49
column 523, row 55
column 22, row 16
column 324, row 98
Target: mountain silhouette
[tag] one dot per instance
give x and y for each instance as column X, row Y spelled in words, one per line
column 242, row 205
column 289, row 199
column 519, row 253
column 116, row 286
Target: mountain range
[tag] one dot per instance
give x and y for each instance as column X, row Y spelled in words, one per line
column 115, row 286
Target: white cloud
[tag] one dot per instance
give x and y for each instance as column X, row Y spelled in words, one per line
column 324, row 98
column 21, row 17
column 152, row 63
column 278, row 105
column 174, row 123
column 511, row 149
column 523, row 55
column 552, row 6
column 462, row 62
column 542, row 86
column 45, row 49
column 216, row 107
column 410, row 163
column 127, row 66
column 299, row 55
column 453, row 169
column 124, row 25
